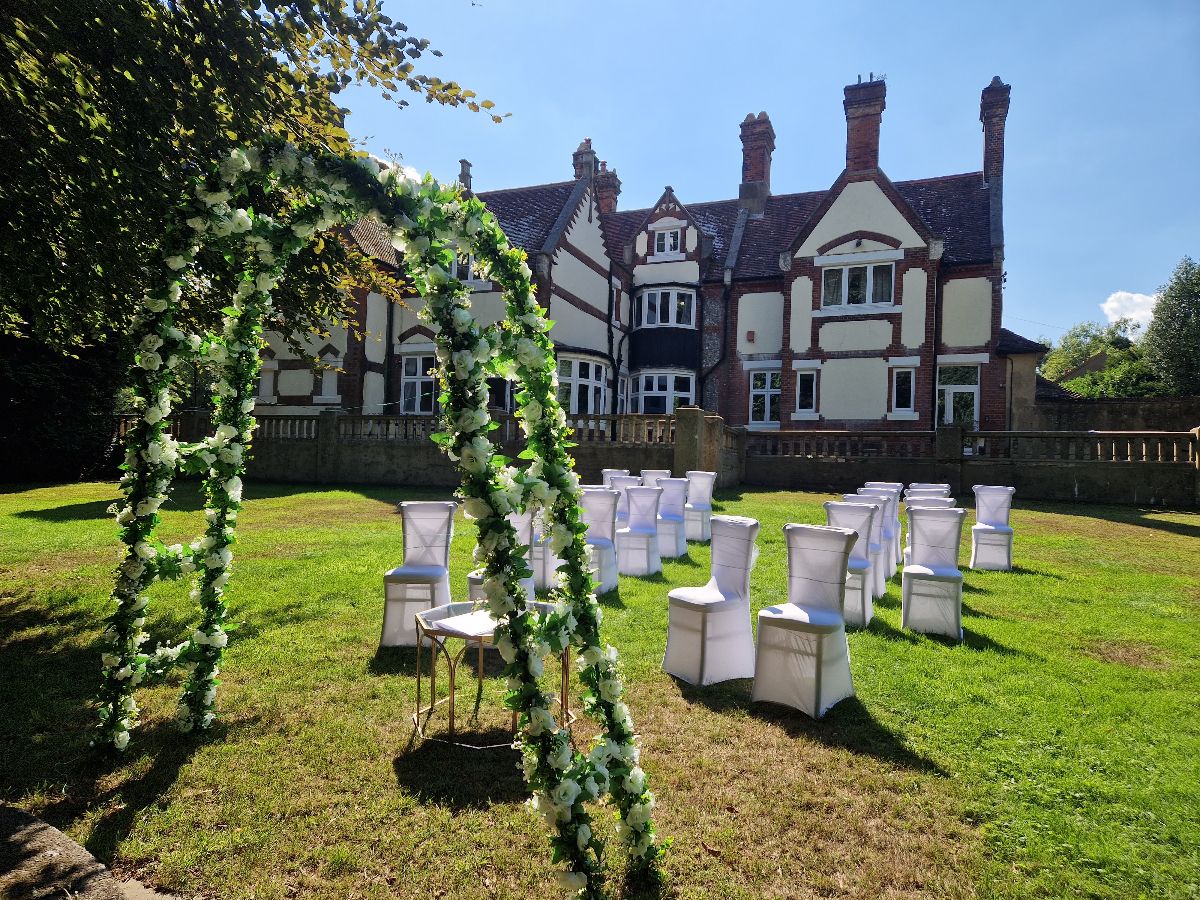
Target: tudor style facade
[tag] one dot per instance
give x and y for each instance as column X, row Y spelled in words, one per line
column 872, row 304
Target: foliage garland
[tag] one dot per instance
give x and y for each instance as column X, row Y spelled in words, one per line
column 427, row 221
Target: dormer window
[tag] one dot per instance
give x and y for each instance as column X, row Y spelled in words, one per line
column 463, row 268
column 856, row 285
column 669, row 308
column 666, row 241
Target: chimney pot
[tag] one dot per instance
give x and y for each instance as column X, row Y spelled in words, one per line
column 993, row 111
column 584, row 159
column 864, row 104
column 607, row 187
column 464, row 173
column 758, row 143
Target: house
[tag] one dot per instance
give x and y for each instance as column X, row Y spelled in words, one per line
column 871, row 304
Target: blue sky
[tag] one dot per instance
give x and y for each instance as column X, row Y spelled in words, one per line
column 1102, row 169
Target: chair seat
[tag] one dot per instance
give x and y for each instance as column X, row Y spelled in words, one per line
column 670, row 518
column 418, row 574
column 938, row 573
column 801, row 618
column 705, row 599
column 858, row 566
column 641, row 532
column 991, row 529
column 698, row 507
column 468, row 625
column 599, row 542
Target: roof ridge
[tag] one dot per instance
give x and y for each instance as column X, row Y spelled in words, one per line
column 526, row 187
column 939, row 178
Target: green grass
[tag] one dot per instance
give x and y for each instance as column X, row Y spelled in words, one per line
column 1056, row 752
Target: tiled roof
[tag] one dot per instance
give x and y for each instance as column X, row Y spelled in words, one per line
column 1048, row 390
column 955, row 208
column 374, row 240
column 528, row 214
column 1011, row 343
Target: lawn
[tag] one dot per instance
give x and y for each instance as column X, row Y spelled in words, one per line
column 1056, row 752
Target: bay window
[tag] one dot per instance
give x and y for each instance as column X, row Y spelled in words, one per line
column 418, row 385
column 582, row 386
column 664, row 308
column 657, row 393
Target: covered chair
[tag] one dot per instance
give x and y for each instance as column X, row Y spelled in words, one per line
column 709, row 632
column 672, row 538
column 991, row 535
column 698, row 510
column 599, row 513
column 803, row 660
column 894, row 485
column 932, row 503
column 859, row 518
column 423, row 581
column 879, row 561
column 607, row 474
column 650, row 477
column 927, row 492
column 544, row 562
column 931, row 585
column 929, row 486
column 890, row 529
column 637, row 541
column 522, row 523
column 620, row 484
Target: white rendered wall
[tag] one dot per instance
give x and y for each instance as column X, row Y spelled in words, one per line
column 801, row 326
column 854, row 388
column 874, row 334
column 912, row 316
column 861, row 206
column 761, row 313
column 967, row 312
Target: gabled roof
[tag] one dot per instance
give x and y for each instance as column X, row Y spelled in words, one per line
column 530, row 216
column 1046, row 389
column 1012, row 344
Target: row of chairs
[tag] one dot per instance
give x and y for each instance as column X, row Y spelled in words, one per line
column 802, row 658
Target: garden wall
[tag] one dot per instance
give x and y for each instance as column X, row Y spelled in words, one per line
column 1164, row 414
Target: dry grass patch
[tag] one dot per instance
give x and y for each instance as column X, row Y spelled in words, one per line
column 1138, row 654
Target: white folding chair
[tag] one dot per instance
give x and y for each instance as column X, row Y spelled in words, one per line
column 876, row 546
column 650, row 477
column 931, row 503
column 803, row 660
column 522, row 523
column 620, row 484
column 709, row 632
column 698, row 510
column 931, row 583
column 637, row 541
column 890, row 529
column 599, row 512
column 991, row 535
column 423, row 581
column 858, row 517
column 672, row 538
column 607, row 474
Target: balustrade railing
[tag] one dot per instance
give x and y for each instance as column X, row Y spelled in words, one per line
column 286, row 428
column 1083, row 446
column 841, row 444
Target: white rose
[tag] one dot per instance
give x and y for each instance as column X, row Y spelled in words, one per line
column 149, row 360
column 565, row 792
column 233, row 487
column 224, row 434
column 476, row 508
column 534, row 664
column 240, row 221
column 635, row 781
column 503, row 643
column 572, row 882
column 176, row 262
column 562, row 755
column 610, row 690
column 144, row 550
column 121, row 740
column 264, row 283
column 583, row 836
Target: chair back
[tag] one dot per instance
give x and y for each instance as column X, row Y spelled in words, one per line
column 928, row 486
column 674, row 495
column 817, row 559
column 930, row 502
column 859, row 518
column 428, row 529
column 700, row 489
column 607, row 474
column 621, row 484
column 522, row 523
column 650, row 477
column 993, row 503
column 733, row 554
column 891, row 507
column 643, row 508
column 894, row 485
column 877, row 503
column 598, row 510
column 926, row 492
column 936, row 535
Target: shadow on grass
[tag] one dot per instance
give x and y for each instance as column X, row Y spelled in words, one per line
column 462, row 778
column 611, row 599
column 646, row 884
column 397, row 661
column 1138, row 516
column 972, row 640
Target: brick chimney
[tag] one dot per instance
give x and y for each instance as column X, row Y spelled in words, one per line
column 464, row 173
column 993, row 110
column 608, row 188
column 584, row 159
column 758, row 142
column 864, row 106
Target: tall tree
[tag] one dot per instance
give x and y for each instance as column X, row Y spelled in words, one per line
column 1083, row 341
column 1172, row 342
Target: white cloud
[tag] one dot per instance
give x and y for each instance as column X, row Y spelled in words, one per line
column 1128, row 305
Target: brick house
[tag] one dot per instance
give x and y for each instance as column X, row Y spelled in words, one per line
column 872, row 304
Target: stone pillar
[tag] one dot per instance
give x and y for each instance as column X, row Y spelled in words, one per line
column 948, row 448
column 689, row 430
column 327, row 446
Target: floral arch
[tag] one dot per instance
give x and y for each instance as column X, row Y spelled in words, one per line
column 426, row 220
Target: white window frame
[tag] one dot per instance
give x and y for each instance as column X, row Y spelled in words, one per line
column 869, row 302
column 766, row 392
column 623, row 395
column 422, row 375
column 268, row 373
column 642, row 307
column 673, row 398
column 327, row 381
column 598, row 376
column 904, row 412
column 807, row 412
column 946, row 393
column 472, row 279
column 667, row 237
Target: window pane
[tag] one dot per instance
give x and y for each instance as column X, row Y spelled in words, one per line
column 654, row 405
column 410, row 365
column 881, row 284
column 758, row 408
column 662, row 383
column 958, row 375
column 903, row 390
column 564, row 368
column 585, row 370
column 408, row 394
column 806, row 384
column 652, row 308
column 772, row 407
column 660, row 242
column 856, row 291
column 581, row 399
column 776, row 380
column 637, row 312
column 664, row 308
column 683, row 384
column 597, row 404
column 941, row 410
column 964, row 408
column 758, row 381
column 564, row 396
column 428, row 365
column 426, row 397
column 832, row 291
column 674, row 241
column 683, row 308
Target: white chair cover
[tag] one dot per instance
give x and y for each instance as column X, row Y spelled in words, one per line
column 931, row 503
column 599, row 513
column 931, row 583
column 650, row 477
column 859, row 518
column 803, row 660
column 423, row 581
column 927, row 492
column 709, row 632
column 698, row 510
column 991, row 535
column 879, row 560
column 672, row 536
column 542, row 560
column 891, row 524
column 929, row 486
column 607, row 474
column 622, row 483
column 895, row 485
column 522, row 523
column 637, row 541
